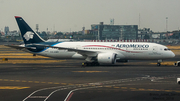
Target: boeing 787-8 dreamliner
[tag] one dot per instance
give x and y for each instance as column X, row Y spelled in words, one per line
column 94, row 53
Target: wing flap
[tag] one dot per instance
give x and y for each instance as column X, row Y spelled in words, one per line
column 16, row 46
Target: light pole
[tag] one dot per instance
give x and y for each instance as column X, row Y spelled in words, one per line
column 120, row 38
column 166, row 27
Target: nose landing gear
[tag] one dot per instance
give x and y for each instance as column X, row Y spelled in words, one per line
column 159, row 62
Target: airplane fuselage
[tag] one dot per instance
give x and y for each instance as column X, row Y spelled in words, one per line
column 124, row 50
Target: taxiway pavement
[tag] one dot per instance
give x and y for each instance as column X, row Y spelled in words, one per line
column 36, row 79
column 54, row 81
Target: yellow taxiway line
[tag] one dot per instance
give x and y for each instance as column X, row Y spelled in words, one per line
column 166, row 63
column 32, row 61
column 23, row 57
column 89, row 71
column 13, row 87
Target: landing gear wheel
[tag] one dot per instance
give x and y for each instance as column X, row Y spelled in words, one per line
column 158, row 64
column 90, row 64
column 96, row 64
column 84, row 64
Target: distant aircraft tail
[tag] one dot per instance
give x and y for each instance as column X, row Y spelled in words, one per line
column 28, row 35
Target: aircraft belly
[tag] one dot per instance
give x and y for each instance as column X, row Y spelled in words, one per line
column 121, row 56
column 60, row 54
column 144, row 56
column 134, row 56
column 78, row 56
column 65, row 55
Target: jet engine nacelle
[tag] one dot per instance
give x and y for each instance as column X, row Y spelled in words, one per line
column 178, row 80
column 106, row 58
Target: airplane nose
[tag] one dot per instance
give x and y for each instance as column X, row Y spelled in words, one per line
column 172, row 54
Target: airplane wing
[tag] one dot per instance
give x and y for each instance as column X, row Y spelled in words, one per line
column 87, row 53
column 79, row 51
column 20, row 47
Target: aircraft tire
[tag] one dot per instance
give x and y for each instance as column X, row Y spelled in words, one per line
column 158, row 64
column 97, row 64
column 84, row 64
column 178, row 64
column 90, row 64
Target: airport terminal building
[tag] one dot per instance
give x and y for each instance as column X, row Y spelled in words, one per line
column 117, row 32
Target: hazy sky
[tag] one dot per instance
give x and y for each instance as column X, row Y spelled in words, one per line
column 66, row 15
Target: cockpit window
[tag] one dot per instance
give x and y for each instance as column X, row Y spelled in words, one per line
column 166, row 49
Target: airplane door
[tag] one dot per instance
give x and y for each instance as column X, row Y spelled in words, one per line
column 155, row 49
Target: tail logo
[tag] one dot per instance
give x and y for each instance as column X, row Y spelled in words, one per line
column 29, row 35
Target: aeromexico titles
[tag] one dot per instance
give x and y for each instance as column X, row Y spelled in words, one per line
column 94, row 53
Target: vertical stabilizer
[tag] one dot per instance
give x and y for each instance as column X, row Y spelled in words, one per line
column 28, row 35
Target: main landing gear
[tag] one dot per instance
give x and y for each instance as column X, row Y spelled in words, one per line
column 90, row 64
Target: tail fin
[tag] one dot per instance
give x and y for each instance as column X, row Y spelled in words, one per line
column 28, row 35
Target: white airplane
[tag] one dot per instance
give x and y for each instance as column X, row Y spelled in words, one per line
column 94, row 53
